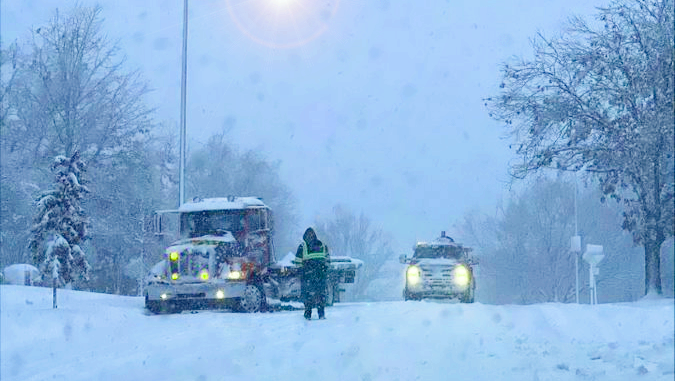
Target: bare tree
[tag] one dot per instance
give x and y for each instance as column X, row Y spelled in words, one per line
column 17, row 193
column 8, row 63
column 219, row 170
column 525, row 254
column 345, row 233
column 532, row 261
column 600, row 100
column 71, row 92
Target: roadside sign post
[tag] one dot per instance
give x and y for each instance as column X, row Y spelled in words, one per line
column 55, row 279
column 593, row 256
column 575, row 247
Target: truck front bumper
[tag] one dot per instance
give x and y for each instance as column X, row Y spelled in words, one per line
column 212, row 292
column 444, row 291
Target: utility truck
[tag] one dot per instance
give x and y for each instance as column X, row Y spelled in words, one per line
column 224, row 258
column 440, row 269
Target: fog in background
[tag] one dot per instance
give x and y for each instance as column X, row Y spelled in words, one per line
column 377, row 105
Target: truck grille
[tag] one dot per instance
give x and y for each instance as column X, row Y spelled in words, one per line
column 190, row 296
column 437, row 275
column 191, row 264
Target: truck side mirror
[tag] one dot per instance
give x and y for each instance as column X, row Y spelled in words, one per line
column 157, row 224
column 403, row 259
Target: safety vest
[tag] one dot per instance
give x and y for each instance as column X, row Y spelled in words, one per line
column 306, row 255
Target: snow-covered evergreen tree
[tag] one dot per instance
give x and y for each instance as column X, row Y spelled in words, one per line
column 346, row 233
column 60, row 224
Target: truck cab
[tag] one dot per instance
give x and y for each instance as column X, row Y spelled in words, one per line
column 441, row 269
column 220, row 259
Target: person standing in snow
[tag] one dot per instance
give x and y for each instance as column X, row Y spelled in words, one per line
column 312, row 258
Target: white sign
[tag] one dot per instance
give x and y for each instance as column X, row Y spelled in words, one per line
column 575, row 244
column 593, row 254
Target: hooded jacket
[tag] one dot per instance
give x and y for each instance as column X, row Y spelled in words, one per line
column 310, row 248
column 312, row 258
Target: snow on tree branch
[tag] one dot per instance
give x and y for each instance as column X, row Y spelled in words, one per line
column 61, row 224
column 599, row 99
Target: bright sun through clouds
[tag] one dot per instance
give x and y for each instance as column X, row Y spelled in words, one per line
column 282, row 23
column 281, row 2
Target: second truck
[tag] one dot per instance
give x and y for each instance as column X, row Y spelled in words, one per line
column 441, row 269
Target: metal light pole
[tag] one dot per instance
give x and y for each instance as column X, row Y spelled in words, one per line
column 183, row 83
column 576, row 234
column 575, row 243
column 593, row 255
column 575, row 247
column 55, row 279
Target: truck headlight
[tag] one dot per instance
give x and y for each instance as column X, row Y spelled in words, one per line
column 413, row 275
column 234, row 275
column 174, row 255
column 461, row 276
column 204, row 274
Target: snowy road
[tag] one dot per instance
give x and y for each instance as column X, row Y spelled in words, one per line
column 104, row 337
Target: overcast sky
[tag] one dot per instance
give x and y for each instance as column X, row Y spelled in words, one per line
column 374, row 104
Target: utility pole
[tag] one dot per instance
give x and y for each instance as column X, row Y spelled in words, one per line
column 55, row 279
column 576, row 237
column 183, row 84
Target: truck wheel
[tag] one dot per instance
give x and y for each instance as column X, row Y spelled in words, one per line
column 153, row 307
column 467, row 297
column 253, row 299
column 158, row 307
column 330, row 294
column 408, row 296
column 336, row 292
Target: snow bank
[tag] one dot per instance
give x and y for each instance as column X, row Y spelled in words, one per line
column 16, row 274
column 389, row 283
column 105, row 337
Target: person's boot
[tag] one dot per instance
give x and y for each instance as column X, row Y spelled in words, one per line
column 322, row 312
column 308, row 314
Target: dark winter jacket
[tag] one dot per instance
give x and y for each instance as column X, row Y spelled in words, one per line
column 312, row 257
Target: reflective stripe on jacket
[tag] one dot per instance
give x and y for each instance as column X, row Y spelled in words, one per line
column 306, row 255
column 318, row 255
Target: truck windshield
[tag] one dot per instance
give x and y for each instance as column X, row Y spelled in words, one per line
column 450, row 252
column 197, row 224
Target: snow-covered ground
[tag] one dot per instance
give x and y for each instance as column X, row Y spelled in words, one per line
column 105, row 337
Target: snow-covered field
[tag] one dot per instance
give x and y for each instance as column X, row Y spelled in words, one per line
column 105, row 337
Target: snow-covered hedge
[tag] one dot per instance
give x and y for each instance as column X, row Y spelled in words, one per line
column 16, row 274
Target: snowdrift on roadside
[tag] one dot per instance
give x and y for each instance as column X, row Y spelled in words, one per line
column 105, row 337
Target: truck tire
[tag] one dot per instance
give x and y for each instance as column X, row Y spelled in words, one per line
column 153, row 307
column 337, row 296
column 158, row 307
column 467, row 297
column 407, row 296
column 330, row 293
column 252, row 301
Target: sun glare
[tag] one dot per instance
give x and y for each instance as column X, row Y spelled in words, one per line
column 282, row 23
column 281, row 2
